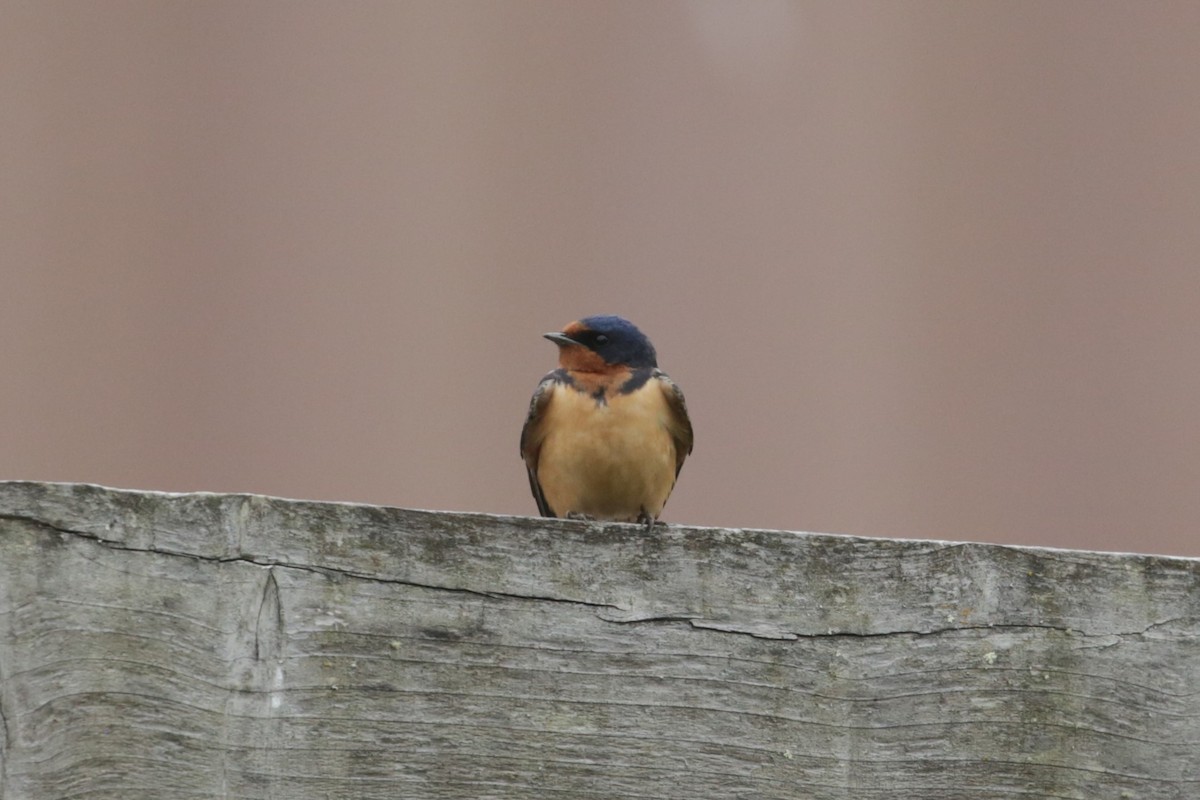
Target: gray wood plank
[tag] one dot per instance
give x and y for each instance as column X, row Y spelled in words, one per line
column 237, row 646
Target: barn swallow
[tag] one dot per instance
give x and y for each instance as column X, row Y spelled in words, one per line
column 607, row 432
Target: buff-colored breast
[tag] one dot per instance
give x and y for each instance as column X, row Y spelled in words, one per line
column 613, row 460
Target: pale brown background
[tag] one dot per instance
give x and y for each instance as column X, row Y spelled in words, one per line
column 923, row 269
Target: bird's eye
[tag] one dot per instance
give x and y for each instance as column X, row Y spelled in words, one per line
column 601, row 338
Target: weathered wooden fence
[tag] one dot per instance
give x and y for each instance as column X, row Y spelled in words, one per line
column 231, row 646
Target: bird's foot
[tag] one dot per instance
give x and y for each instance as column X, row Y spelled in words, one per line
column 580, row 516
column 647, row 520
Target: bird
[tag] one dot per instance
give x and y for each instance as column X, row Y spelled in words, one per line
column 607, row 431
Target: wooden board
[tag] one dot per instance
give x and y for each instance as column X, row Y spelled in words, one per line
column 235, row 646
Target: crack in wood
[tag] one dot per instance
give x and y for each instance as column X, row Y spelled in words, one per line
column 4, row 731
column 695, row 621
column 268, row 626
column 267, row 563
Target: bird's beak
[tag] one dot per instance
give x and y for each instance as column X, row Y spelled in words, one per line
column 560, row 339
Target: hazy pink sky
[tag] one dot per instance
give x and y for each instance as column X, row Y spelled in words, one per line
column 923, row 269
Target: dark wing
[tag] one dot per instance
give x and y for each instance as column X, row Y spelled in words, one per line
column 680, row 426
column 531, row 438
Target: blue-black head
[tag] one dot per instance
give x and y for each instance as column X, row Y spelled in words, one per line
column 614, row 339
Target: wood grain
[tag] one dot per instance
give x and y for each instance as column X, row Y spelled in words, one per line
column 235, row 646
